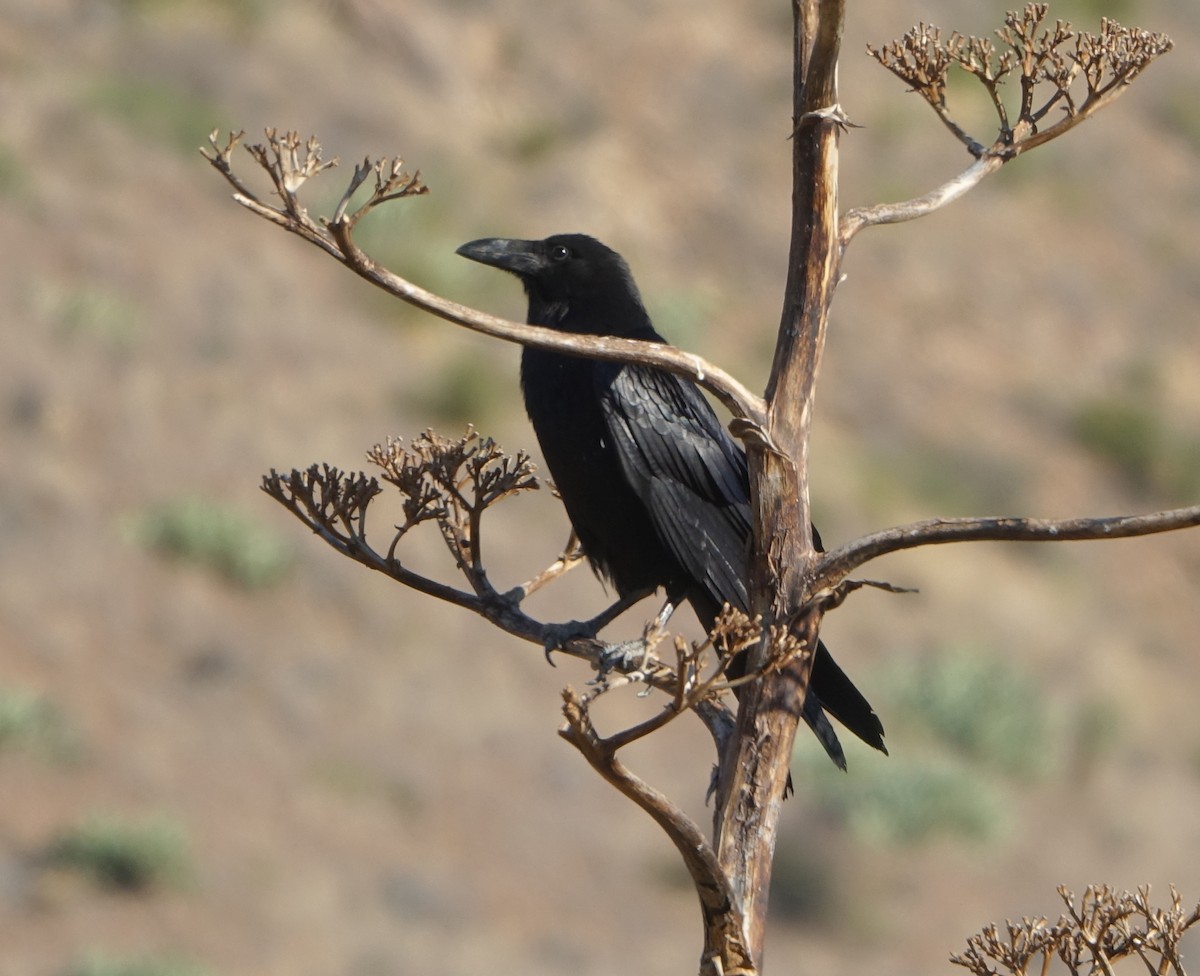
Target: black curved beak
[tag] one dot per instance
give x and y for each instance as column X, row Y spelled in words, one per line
column 518, row 257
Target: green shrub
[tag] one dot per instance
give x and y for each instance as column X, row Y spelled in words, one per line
column 681, row 315
column 537, row 140
column 467, row 390
column 906, row 802
column 938, row 480
column 218, row 538
column 153, row 109
column 1129, row 432
column 918, row 801
column 99, row 963
column 985, row 722
column 14, row 176
column 240, row 13
column 120, row 854
column 85, row 309
column 34, row 723
column 980, row 705
column 804, row 885
column 1124, row 431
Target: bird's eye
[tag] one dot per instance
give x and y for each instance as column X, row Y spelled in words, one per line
column 560, row 252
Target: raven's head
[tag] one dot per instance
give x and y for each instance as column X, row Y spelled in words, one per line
column 573, row 281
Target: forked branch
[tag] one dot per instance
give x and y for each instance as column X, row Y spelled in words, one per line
column 1056, row 68
column 289, row 162
column 725, row 951
column 1102, row 929
column 450, row 483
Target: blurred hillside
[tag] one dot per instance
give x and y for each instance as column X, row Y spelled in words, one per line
column 224, row 750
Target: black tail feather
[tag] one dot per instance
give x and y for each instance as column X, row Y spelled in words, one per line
column 839, row 697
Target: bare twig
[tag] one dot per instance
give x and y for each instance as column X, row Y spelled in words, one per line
column 334, row 505
column 834, row 566
column 922, row 60
column 572, row 556
column 893, row 213
column 724, row 947
column 392, row 182
column 693, row 680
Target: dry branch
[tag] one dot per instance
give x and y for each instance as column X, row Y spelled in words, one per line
column 725, row 951
column 835, row 565
column 281, row 155
column 1056, row 67
column 451, row 483
column 1105, row 927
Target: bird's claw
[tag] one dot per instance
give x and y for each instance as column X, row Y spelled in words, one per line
column 554, row 636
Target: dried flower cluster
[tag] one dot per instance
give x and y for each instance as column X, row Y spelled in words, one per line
column 449, row 481
column 452, row 481
column 1056, row 66
column 290, row 162
column 1106, row 927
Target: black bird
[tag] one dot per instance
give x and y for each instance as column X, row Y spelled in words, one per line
column 656, row 489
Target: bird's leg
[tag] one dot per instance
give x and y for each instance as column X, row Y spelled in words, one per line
column 554, row 636
column 657, row 628
column 622, row 656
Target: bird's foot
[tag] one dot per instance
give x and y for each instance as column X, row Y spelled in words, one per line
column 556, row 635
column 628, row 657
column 634, row 660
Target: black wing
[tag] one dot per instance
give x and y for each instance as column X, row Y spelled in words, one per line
column 688, row 472
column 693, row 480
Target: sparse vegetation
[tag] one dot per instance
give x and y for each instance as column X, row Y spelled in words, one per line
column 1136, row 437
column 91, row 309
column 464, row 391
column 165, row 114
column 101, row 963
column 120, row 854
column 537, row 141
column 977, row 703
column 804, row 886
column 34, row 723
column 906, row 801
column 218, row 538
column 1096, row 731
column 243, row 13
column 681, row 315
column 937, row 479
column 1181, row 116
column 13, row 175
column 986, row 724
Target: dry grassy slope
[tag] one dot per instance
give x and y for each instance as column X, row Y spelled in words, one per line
column 371, row 783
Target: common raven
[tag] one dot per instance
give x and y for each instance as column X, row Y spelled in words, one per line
column 656, row 489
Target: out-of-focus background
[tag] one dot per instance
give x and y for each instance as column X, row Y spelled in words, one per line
column 225, row 750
